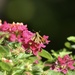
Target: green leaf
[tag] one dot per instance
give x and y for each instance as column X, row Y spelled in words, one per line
column 36, row 70
column 45, row 54
column 70, row 73
column 5, row 66
column 2, row 49
column 64, row 52
column 1, row 40
column 1, row 73
column 73, row 46
column 71, row 38
column 31, row 59
column 60, row 53
column 17, row 72
column 51, row 72
column 55, row 54
column 67, row 44
column 17, row 44
column 23, row 55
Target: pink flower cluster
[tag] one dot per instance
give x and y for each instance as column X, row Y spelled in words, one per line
column 20, row 33
column 63, row 64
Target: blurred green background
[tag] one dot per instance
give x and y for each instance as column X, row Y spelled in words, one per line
column 55, row 18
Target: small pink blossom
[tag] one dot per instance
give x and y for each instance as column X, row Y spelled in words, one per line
column 34, row 47
column 5, row 26
column 70, row 65
column 60, row 60
column 27, row 35
column 12, row 37
column 22, row 27
column 64, row 71
column 13, row 28
column 46, row 39
column 19, row 38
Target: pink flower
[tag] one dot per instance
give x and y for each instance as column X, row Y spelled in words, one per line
column 5, row 26
column 13, row 28
column 60, row 60
column 66, row 58
column 35, row 52
column 41, row 45
column 64, row 71
column 12, row 37
column 22, row 27
column 19, row 38
column 27, row 35
column 34, row 47
column 63, row 64
column 46, row 39
column 25, row 46
column 70, row 65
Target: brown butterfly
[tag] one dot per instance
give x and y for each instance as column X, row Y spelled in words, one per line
column 38, row 38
